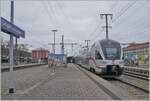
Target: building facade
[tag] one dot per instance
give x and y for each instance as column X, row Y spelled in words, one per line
column 40, row 55
column 20, row 55
column 136, row 54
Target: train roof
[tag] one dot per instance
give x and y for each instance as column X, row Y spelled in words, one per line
column 107, row 40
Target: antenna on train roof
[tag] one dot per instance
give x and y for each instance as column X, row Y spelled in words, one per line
column 107, row 26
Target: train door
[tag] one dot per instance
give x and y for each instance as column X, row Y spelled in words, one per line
column 98, row 58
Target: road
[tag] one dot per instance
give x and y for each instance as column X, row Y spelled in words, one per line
column 40, row 83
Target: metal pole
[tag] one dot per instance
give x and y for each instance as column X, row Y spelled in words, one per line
column 87, row 46
column 11, row 58
column 87, row 42
column 55, row 30
column 106, row 27
column 54, row 42
column 0, row 60
column 16, row 55
column 72, row 47
column 106, row 16
column 54, row 47
column 54, row 52
column 62, row 44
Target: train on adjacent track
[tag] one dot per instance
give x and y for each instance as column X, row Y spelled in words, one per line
column 104, row 57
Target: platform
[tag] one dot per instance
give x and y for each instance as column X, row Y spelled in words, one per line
column 42, row 83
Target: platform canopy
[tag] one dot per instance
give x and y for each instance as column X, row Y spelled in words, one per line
column 10, row 28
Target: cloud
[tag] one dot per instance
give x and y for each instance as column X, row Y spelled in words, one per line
column 78, row 20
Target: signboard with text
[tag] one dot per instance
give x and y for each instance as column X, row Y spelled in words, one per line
column 10, row 28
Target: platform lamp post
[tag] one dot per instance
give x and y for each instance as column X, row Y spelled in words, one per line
column 54, row 31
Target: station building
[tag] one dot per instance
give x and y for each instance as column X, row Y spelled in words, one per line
column 40, row 55
column 136, row 54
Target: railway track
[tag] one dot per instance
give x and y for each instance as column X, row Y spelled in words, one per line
column 145, row 89
column 136, row 83
column 136, row 75
column 116, row 94
column 136, row 92
column 138, row 71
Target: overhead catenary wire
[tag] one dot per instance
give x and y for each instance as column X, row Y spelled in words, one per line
column 48, row 13
column 121, row 13
column 124, row 11
column 54, row 11
column 136, row 32
column 111, row 8
column 59, row 7
column 62, row 11
column 51, row 13
column 135, row 25
column 135, row 37
column 135, row 28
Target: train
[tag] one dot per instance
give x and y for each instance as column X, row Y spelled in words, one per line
column 105, row 57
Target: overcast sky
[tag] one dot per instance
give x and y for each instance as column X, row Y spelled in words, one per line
column 78, row 21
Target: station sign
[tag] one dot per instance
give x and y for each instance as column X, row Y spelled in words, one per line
column 10, row 28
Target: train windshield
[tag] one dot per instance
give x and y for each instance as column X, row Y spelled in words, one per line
column 111, row 49
column 111, row 53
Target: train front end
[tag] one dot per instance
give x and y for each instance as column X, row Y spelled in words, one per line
column 112, row 53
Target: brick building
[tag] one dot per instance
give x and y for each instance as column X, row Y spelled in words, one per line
column 40, row 55
column 137, row 53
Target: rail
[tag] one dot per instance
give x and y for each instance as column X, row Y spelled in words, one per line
column 138, row 71
column 136, row 75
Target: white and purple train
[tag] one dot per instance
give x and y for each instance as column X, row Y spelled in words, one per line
column 104, row 57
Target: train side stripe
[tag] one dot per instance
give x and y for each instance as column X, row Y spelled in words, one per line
column 97, row 65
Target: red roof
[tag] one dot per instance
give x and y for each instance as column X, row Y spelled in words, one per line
column 134, row 46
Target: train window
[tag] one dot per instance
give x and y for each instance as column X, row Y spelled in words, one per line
column 112, row 53
column 98, row 55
